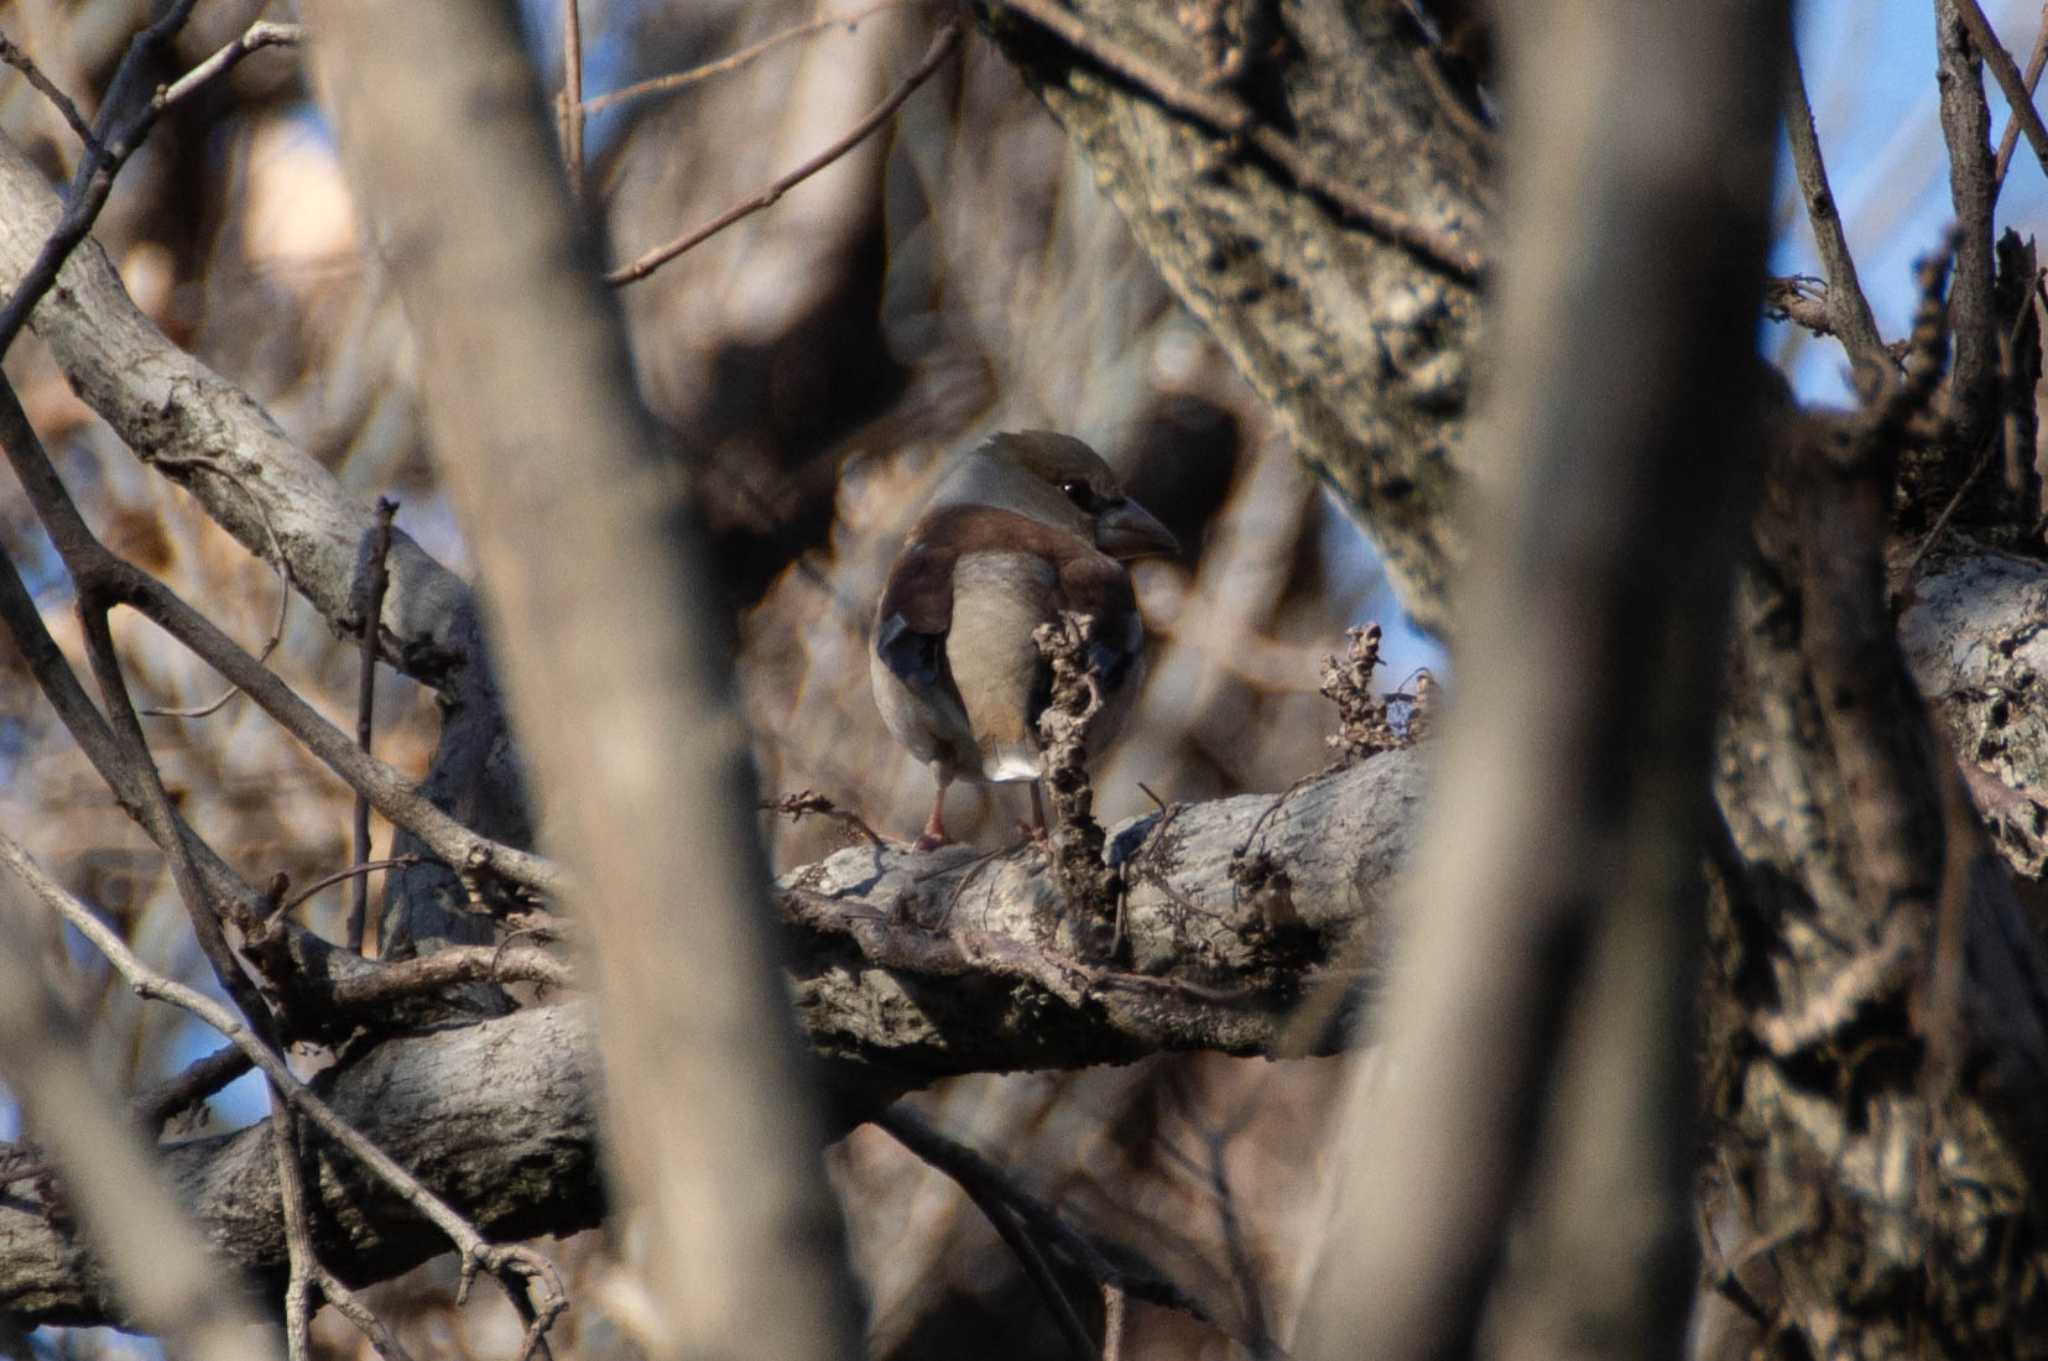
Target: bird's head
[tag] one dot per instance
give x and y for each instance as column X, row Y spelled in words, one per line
column 1057, row 480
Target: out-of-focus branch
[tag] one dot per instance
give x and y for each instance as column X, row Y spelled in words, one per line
column 618, row 673
column 1550, row 948
column 189, row 423
column 126, row 116
column 162, row 1270
column 680, row 80
column 110, row 579
column 943, row 43
column 524, row 1272
column 22, row 62
column 1848, row 311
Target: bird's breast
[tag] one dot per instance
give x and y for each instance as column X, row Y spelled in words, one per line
column 999, row 600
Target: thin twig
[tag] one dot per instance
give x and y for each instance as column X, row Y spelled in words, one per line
column 446, row 968
column 943, row 43
column 298, row 1230
column 476, row 1252
column 360, row 869
column 98, row 571
column 1848, row 311
column 277, row 562
column 259, row 35
column 95, row 178
column 569, row 106
column 201, row 907
column 1037, row 1269
column 355, row 1311
column 797, row 806
column 745, row 56
column 22, row 62
column 2010, row 140
column 964, row 1165
column 2018, row 89
column 377, row 578
column 1227, row 115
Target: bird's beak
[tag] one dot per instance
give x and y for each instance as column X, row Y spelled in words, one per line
column 1127, row 530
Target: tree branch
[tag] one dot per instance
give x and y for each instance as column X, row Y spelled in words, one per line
column 211, row 438
column 905, row 968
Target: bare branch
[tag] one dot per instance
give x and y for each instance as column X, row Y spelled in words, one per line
column 1848, row 311
column 542, row 1285
column 569, row 106
column 2019, row 94
column 284, row 589
column 210, row 437
column 2010, row 140
column 107, row 578
column 943, row 43
column 95, row 179
column 745, row 56
column 1966, row 127
column 259, row 35
column 22, row 62
column 378, row 579
column 161, row 1266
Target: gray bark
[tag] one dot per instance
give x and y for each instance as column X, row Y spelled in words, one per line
column 905, row 968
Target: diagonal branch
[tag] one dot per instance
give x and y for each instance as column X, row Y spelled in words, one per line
column 108, row 578
column 211, row 438
column 541, row 1283
column 2018, row 89
column 943, row 43
column 1848, row 311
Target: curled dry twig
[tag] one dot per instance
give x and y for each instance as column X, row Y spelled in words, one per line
column 1090, row 885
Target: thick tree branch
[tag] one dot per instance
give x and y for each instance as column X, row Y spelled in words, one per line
column 1277, row 270
column 906, row 968
column 186, row 421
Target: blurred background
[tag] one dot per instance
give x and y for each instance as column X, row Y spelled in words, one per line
column 815, row 364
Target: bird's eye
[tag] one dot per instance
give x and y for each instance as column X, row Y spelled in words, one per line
column 1080, row 493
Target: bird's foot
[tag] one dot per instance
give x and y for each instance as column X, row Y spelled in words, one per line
column 931, row 840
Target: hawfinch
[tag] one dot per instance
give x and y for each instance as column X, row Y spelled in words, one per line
column 1020, row 528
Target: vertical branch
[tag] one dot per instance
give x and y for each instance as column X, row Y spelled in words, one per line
column 1549, row 948
column 375, row 578
column 618, row 667
column 302, row 1267
column 1966, row 127
column 570, row 103
column 1848, row 311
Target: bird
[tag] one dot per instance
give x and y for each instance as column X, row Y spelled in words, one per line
column 1021, row 527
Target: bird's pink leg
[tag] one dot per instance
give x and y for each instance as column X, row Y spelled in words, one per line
column 935, row 825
